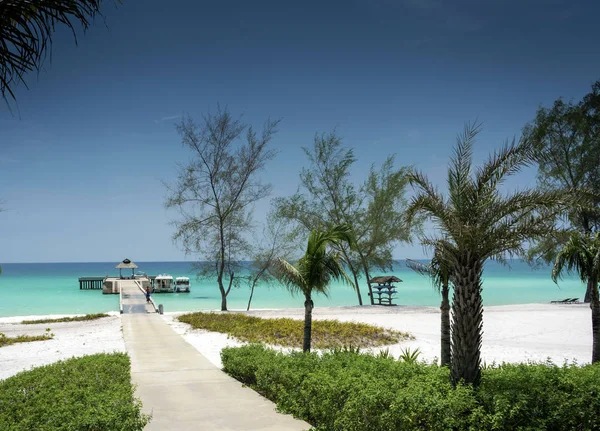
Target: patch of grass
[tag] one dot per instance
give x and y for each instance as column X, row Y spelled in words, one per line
column 66, row 319
column 326, row 334
column 91, row 393
column 7, row 341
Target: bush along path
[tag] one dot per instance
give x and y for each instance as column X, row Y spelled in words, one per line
column 88, row 393
column 349, row 391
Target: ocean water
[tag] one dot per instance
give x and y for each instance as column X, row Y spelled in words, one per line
column 53, row 288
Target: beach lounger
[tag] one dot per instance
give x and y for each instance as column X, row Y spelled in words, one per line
column 564, row 301
column 573, row 301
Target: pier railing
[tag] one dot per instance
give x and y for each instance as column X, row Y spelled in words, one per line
column 121, row 301
column 139, row 285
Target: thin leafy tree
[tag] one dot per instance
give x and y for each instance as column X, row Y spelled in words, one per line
column 379, row 227
column 216, row 191
column 581, row 254
column 276, row 241
column 438, row 271
column 477, row 222
column 26, row 29
column 328, row 196
column 567, row 138
column 315, row 270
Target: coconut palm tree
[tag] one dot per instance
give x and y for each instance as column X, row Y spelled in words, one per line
column 476, row 222
column 438, row 270
column 26, row 29
column 315, row 270
column 581, row 254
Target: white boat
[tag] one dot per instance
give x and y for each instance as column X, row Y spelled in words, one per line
column 163, row 283
column 182, row 284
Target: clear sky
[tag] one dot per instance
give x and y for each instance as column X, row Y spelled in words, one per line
column 81, row 162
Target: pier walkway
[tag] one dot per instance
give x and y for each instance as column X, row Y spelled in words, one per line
column 180, row 387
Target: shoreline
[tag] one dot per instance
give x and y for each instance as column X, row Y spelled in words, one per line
column 367, row 309
column 512, row 333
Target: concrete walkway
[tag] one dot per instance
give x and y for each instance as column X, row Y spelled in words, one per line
column 183, row 390
column 133, row 298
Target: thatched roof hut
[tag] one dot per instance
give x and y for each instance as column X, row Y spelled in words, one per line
column 385, row 279
column 126, row 264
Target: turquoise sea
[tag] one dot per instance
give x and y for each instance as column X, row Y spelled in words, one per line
column 53, row 288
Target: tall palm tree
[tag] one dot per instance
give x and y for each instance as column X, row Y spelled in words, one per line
column 26, row 29
column 438, row 270
column 581, row 254
column 315, row 270
column 477, row 222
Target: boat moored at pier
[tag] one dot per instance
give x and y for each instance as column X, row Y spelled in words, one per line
column 163, row 283
column 182, row 284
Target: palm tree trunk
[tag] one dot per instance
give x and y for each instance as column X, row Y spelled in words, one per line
column 595, row 306
column 467, row 321
column 589, row 290
column 446, row 355
column 308, row 307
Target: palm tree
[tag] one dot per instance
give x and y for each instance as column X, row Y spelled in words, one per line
column 315, row 270
column 477, row 222
column 581, row 254
column 26, row 29
column 438, row 271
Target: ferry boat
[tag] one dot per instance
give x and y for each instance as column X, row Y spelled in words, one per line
column 182, row 284
column 163, row 283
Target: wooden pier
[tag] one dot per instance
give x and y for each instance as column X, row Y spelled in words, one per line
column 90, row 282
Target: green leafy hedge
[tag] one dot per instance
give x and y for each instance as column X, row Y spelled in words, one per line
column 289, row 332
column 92, row 393
column 348, row 391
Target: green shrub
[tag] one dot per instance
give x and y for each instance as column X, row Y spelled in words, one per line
column 326, row 334
column 541, row 396
column 344, row 390
column 66, row 319
column 91, row 393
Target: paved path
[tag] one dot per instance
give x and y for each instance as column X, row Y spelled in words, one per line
column 182, row 389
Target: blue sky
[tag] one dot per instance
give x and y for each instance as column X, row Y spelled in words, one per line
column 83, row 160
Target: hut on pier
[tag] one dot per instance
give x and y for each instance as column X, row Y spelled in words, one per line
column 126, row 264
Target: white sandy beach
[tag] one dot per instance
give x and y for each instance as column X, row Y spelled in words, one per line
column 70, row 339
column 513, row 333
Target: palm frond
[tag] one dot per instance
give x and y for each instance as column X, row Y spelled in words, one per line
column 331, row 269
column 459, row 171
column 432, row 208
column 26, row 29
column 577, row 255
column 419, row 267
column 419, row 181
column 507, row 161
column 289, row 275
